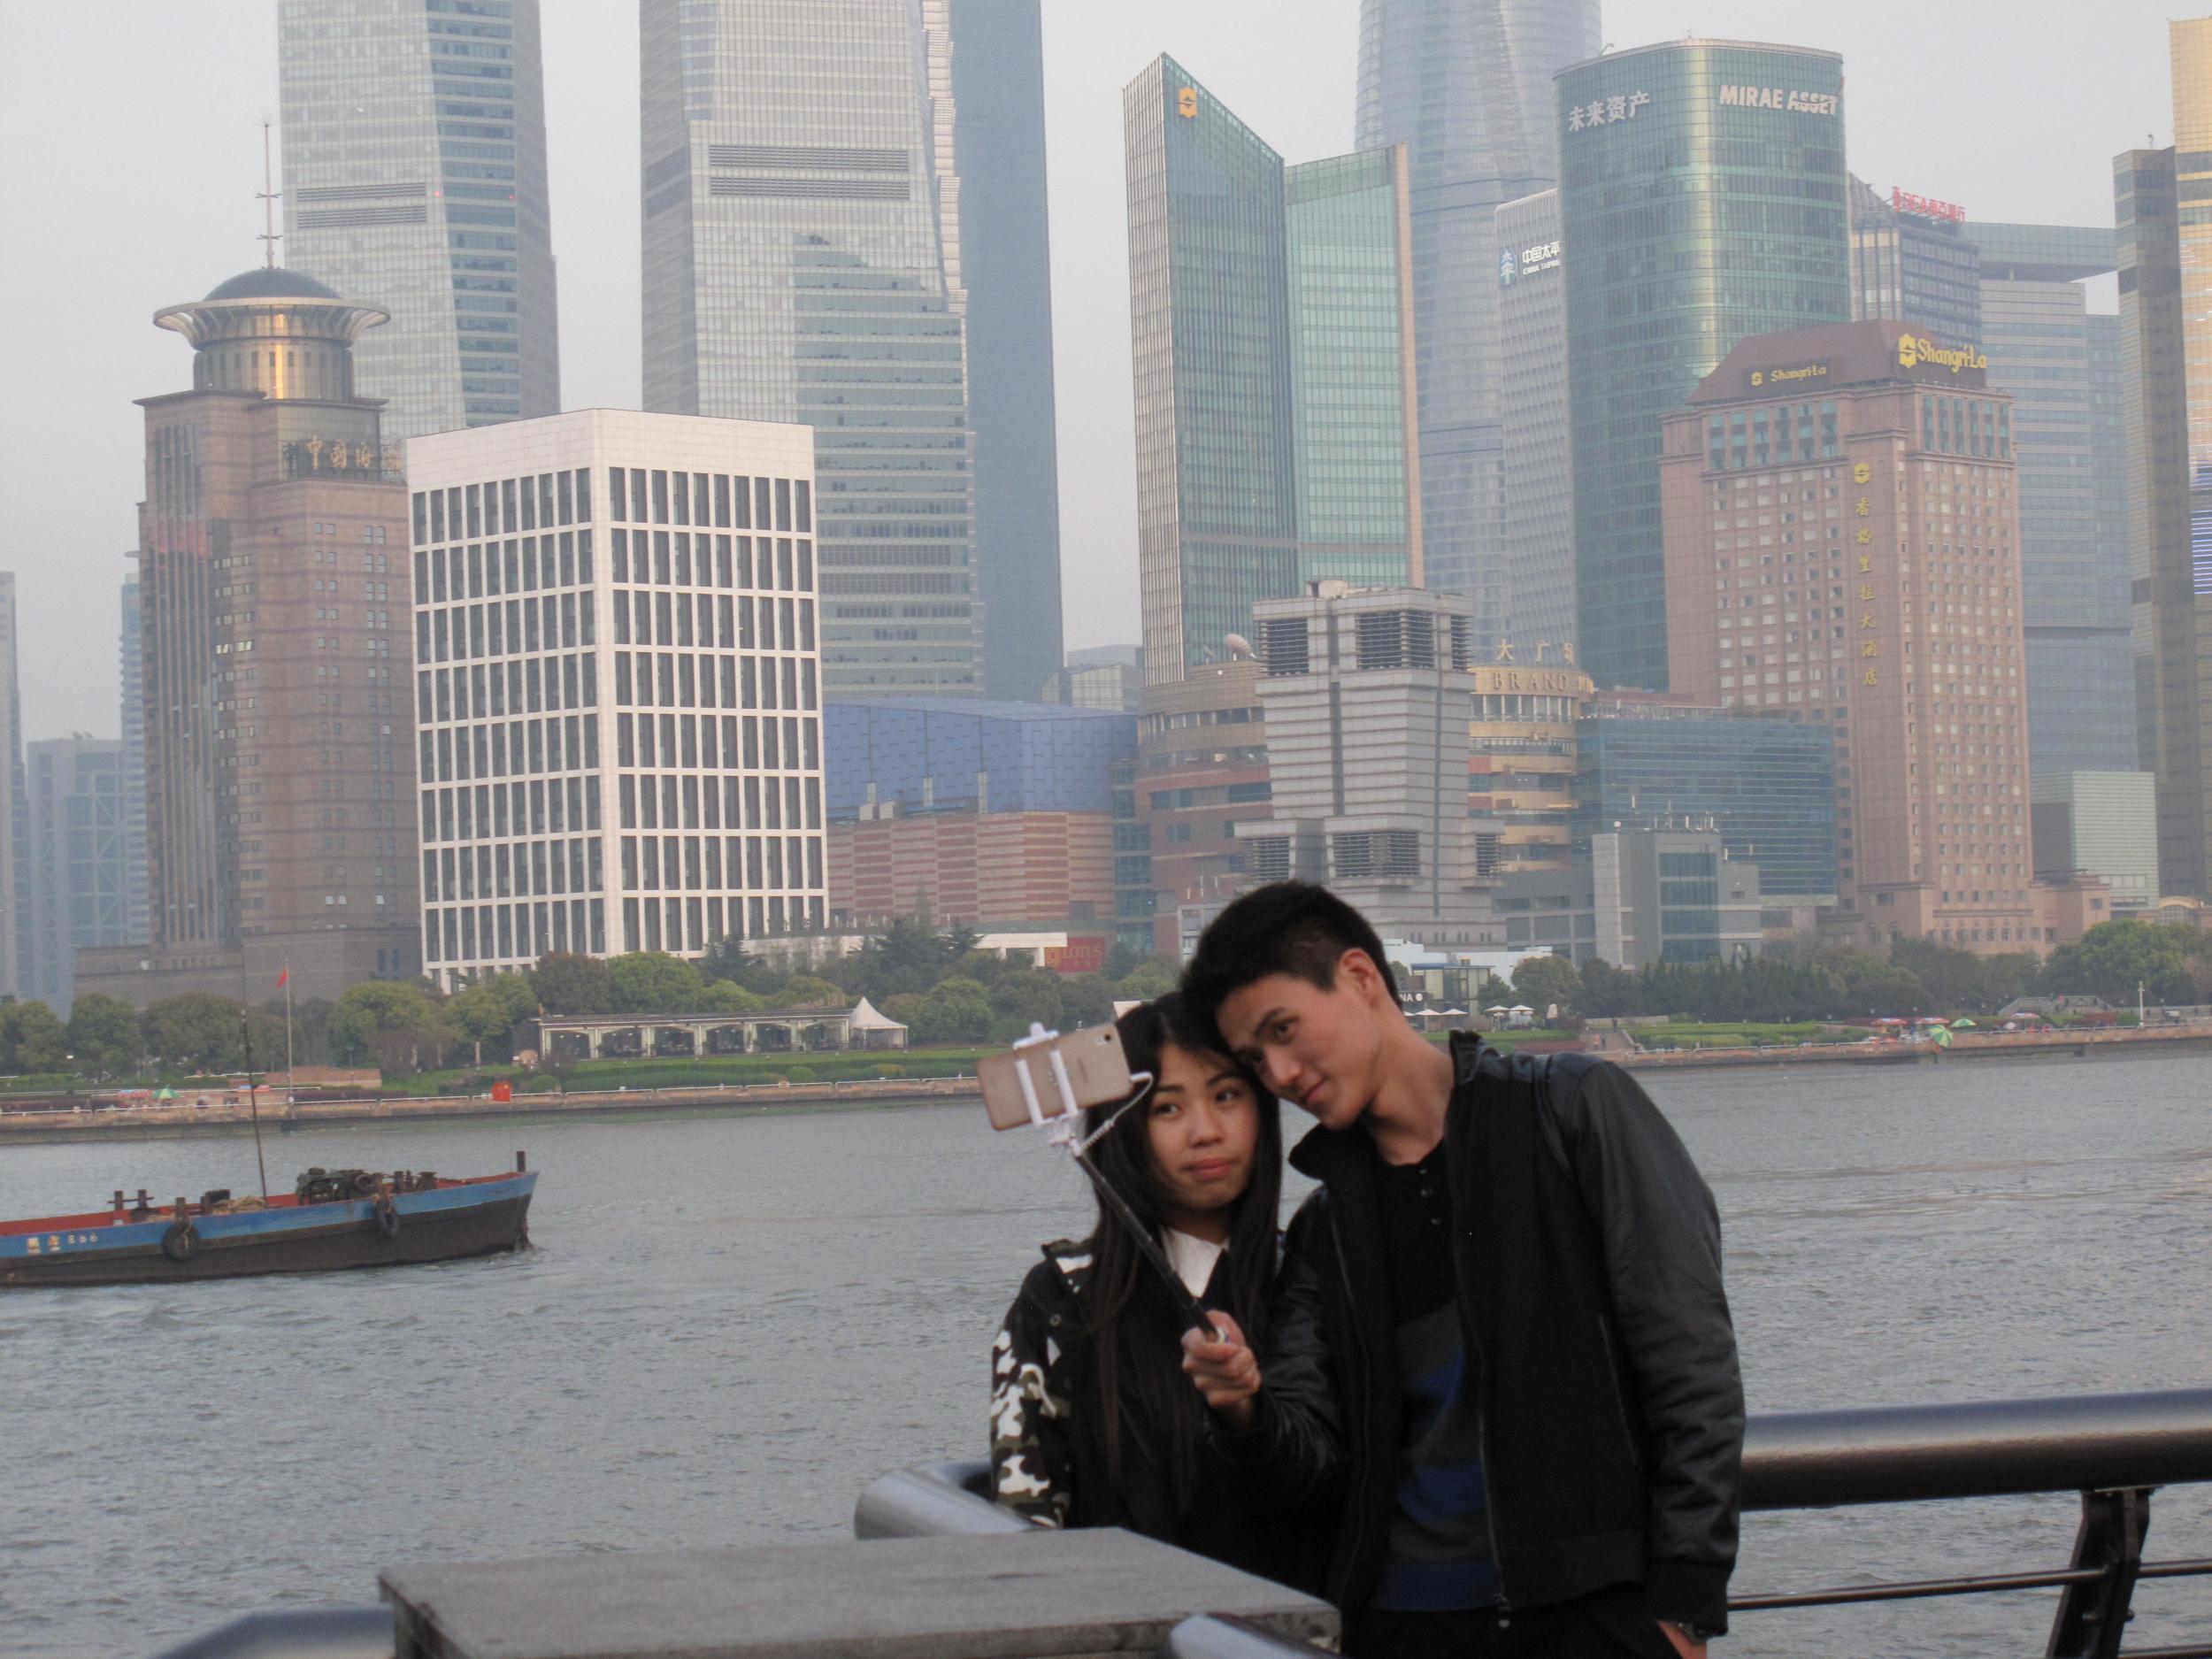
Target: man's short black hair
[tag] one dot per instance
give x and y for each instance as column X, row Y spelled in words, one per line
column 1292, row 927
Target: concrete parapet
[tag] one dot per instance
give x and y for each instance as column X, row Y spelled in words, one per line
column 1064, row 1593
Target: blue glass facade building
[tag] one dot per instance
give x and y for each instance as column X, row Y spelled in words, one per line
column 1768, row 787
column 918, row 755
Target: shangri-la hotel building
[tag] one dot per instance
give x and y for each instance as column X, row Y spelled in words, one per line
column 1842, row 548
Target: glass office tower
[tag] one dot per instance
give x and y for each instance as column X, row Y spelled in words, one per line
column 1914, row 261
column 1701, row 199
column 2061, row 366
column 131, row 657
column 801, row 255
column 414, row 180
column 1768, row 787
column 1466, row 86
column 1271, row 328
column 1349, row 252
column 996, row 53
column 1538, row 482
column 1210, row 324
column 2166, row 326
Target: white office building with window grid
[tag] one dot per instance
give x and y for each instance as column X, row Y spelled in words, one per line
column 618, row 688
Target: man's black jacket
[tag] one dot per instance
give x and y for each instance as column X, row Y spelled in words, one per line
column 1587, row 1250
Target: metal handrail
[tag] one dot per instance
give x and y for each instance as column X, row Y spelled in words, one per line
column 2112, row 1448
column 1799, row 1460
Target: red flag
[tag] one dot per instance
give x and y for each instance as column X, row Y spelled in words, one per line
column 284, row 976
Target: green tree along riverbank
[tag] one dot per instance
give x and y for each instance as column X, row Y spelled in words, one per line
column 1915, row 979
column 957, row 1001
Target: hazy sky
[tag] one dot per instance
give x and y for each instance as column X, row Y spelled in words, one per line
column 129, row 158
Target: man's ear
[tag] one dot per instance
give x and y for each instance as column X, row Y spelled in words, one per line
column 1366, row 979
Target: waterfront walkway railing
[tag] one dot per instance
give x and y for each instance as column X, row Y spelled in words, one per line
column 2115, row 1450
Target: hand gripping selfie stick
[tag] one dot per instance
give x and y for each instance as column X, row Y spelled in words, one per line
column 1064, row 1128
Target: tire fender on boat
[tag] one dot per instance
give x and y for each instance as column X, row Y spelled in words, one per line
column 385, row 1213
column 181, row 1242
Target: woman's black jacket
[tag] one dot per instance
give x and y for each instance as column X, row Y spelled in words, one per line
column 1049, row 1459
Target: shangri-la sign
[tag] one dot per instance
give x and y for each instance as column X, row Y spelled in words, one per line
column 342, row 457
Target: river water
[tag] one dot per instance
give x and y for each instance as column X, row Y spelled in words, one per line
column 730, row 1324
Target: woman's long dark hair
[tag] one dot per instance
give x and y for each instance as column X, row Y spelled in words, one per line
column 1135, row 1326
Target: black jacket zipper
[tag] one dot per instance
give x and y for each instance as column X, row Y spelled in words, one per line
column 1367, row 1383
column 1482, row 1371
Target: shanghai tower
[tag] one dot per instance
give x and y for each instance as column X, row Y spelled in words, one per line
column 1466, row 86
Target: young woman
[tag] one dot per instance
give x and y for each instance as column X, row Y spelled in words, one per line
column 1094, row 1422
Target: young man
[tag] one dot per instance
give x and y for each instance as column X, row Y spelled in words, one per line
column 1531, row 1396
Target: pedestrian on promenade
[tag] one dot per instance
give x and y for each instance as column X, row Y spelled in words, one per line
column 1530, row 1392
column 1093, row 1421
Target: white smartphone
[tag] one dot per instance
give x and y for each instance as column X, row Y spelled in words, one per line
column 1098, row 1075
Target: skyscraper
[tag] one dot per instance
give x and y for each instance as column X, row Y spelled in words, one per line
column 1216, row 484
column 998, row 131
column 1270, row 322
column 1701, row 201
column 1467, row 87
column 1842, row 526
column 630, row 759
column 801, row 265
column 415, row 182
column 130, row 650
column 1539, row 573
column 77, row 859
column 14, row 927
column 1914, row 260
column 2166, row 330
column 278, row 709
column 2167, row 583
column 1346, row 231
column 2061, row 365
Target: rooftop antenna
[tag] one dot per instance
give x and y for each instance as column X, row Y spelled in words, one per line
column 269, row 193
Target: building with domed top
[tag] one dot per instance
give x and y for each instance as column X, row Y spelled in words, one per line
column 274, row 610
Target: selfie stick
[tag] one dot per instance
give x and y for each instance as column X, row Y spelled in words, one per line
column 1064, row 1128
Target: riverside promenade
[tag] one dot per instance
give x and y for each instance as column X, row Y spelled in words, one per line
column 29, row 1123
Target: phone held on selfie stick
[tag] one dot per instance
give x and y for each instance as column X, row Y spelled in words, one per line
column 1051, row 1080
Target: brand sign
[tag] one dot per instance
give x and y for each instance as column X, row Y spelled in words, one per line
column 1515, row 263
column 1926, row 207
column 1078, row 955
column 1604, row 112
column 1790, row 375
column 1791, row 98
column 1913, row 352
column 1186, row 102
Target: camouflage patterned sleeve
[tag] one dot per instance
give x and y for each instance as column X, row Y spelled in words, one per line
column 1029, row 1458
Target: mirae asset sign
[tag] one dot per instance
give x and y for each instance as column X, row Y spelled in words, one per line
column 1780, row 98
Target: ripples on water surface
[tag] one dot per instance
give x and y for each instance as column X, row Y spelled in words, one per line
column 731, row 1323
